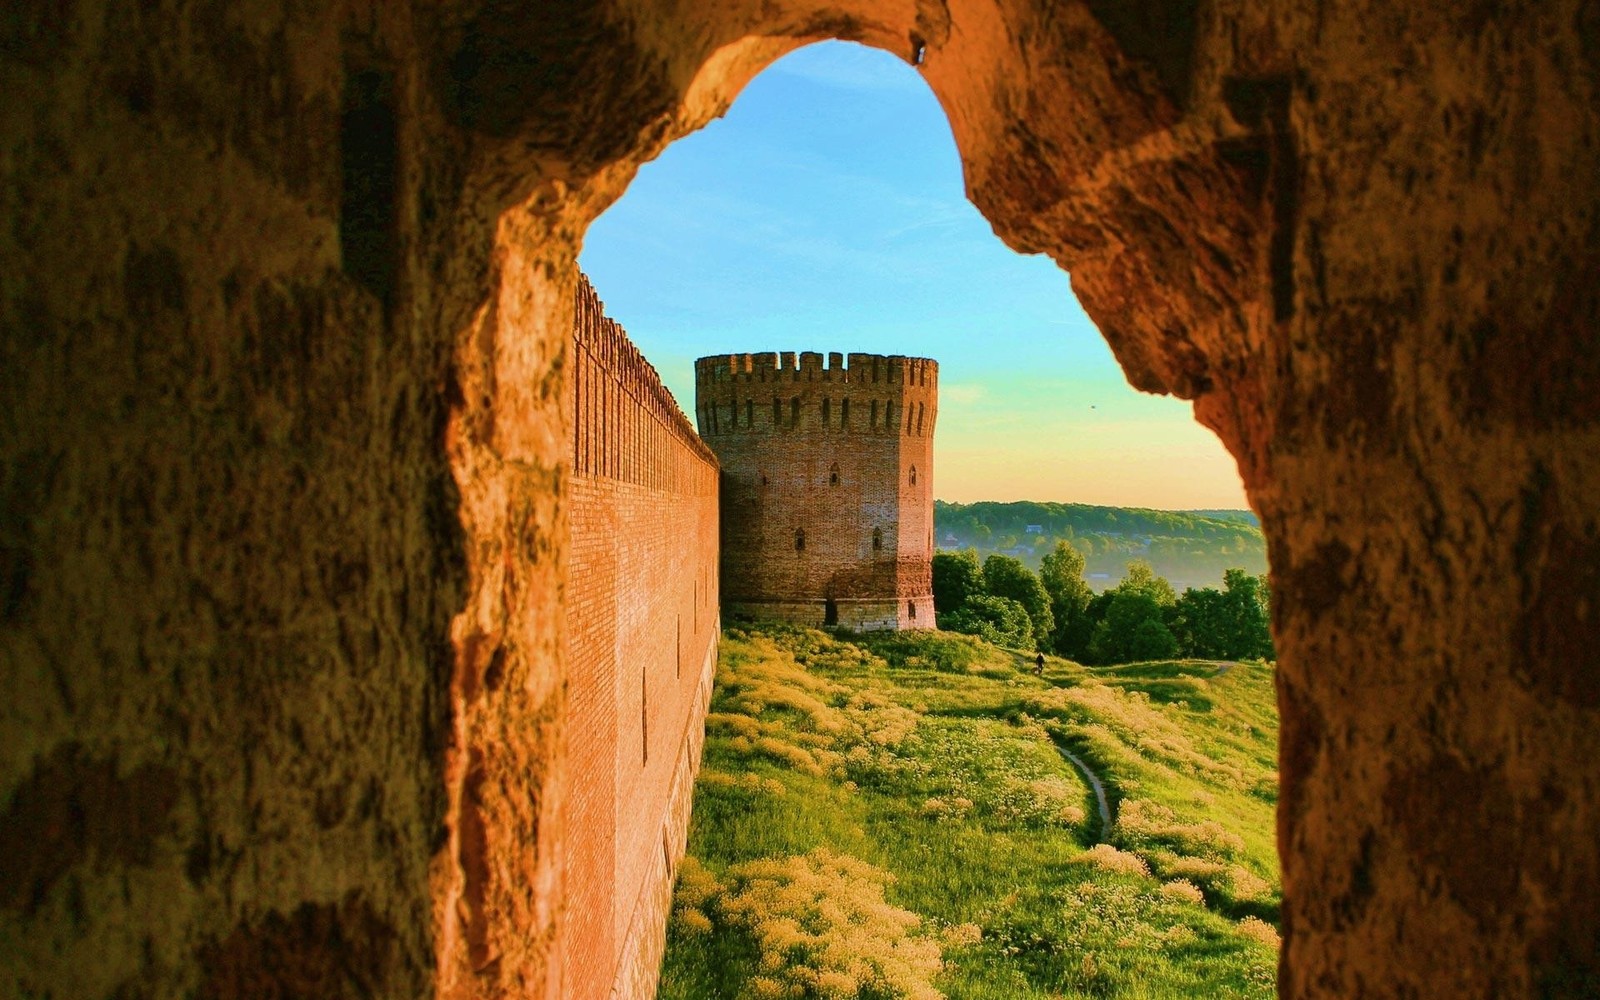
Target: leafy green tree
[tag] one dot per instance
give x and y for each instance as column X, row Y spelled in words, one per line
column 1228, row 624
column 1006, row 576
column 999, row 620
column 957, row 576
column 1061, row 573
column 1141, row 578
column 1246, row 603
column 1199, row 621
column 1132, row 619
column 1079, row 637
column 1151, row 640
column 1122, row 635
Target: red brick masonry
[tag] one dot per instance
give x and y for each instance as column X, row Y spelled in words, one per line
column 827, row 485
column 642, row 623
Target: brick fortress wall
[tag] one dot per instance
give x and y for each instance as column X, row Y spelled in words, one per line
column 827, row 484
column 642, row 623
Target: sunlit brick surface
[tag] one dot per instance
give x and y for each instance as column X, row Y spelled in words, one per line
column 642, row 624
column 827, row 485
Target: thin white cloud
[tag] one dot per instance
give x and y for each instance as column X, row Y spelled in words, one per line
column 961, row 393
column 939, row 219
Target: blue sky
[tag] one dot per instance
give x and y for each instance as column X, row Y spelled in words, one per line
column 825, row 212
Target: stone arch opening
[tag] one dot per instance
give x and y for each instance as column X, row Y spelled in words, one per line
column 1194, row 248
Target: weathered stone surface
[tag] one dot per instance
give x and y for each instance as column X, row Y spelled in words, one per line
column 283, row 470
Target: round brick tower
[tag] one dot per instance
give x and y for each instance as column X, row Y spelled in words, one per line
column 827, row 485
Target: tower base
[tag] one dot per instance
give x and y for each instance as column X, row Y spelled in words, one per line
column 857, row 614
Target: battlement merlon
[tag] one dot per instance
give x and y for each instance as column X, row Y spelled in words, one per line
column 603, row 342
column 861, row 369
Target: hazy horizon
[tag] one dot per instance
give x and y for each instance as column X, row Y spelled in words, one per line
column 826, row 212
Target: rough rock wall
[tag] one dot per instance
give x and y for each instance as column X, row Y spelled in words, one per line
column 827, row 513
column 285, row 313
column 230, row 543
column 642, row 626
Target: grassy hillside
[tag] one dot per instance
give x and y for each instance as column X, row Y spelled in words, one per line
column 1189, row 548
column 892, row 816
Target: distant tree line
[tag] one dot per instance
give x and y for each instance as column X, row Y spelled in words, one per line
column 1192, row 547
column 1141, row 618
column 1067, row 519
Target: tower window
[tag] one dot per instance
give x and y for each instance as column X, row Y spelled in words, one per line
column 888, row 414
column 799, row 539
column 913, row 475
column 763, row 479
column 844, row 414
column 911, row 609
column 794, row 412
column 824, row 413
column 877, row 539
column 833, row 475
column 749, row 413
column 919, row 418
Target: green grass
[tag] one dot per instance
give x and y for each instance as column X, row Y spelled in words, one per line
column 883, row 816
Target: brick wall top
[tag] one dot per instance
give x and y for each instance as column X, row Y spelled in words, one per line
column 808, row 366
column 602, row 352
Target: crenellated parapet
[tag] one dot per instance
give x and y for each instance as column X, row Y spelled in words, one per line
column 809, row 366
column 785, row 391
column 625, row 424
